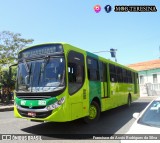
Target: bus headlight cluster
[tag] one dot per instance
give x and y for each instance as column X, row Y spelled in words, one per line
column 17, row 106
column 56, row 104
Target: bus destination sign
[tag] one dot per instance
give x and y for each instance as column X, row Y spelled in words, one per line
column 41, row 50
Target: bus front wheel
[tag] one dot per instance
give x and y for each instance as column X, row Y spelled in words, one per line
column 94, row 113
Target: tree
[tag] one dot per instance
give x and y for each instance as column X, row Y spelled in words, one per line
column 10, row 44
column 7, row 85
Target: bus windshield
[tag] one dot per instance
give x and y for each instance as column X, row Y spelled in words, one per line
column 45, row 75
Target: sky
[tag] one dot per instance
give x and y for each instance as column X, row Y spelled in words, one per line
column 135, row 35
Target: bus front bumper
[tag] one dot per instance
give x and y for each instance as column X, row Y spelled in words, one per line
column 49, row 113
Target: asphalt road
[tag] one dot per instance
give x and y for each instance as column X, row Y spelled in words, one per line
column 116, row 121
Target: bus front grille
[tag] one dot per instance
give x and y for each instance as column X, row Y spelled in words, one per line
column 36, row 107
column 32, row 97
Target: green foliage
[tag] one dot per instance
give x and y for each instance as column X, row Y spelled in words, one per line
column 8, row 79
column 10, row 44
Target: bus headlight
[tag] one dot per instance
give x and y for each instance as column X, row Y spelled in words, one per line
column 56, row 104
column 17, row 106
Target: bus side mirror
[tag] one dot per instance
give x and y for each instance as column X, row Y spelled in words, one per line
column 10, row 70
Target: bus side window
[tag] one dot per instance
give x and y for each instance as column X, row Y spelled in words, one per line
column 112, row 71
column 129, row 76
column 103, row 72
column 119, row 75
column 75, row 71
column 93, row 69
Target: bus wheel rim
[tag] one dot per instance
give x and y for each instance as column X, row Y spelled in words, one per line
column 92, row 112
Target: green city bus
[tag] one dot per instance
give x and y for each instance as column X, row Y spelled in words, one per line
column 59, row 82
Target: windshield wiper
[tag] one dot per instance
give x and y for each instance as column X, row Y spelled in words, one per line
column 28, row 69
column 30, row 72
column 40, row 72
column 26, row 66
column 46, row 61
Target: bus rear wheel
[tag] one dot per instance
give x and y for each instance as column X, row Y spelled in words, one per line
column 94, row 113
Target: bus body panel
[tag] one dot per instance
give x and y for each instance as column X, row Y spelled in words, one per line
column 78, row 101
column 79, row 104
column 94, row 90
column 110, row 94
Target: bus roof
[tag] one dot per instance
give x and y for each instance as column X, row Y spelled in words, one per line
column 79, row 49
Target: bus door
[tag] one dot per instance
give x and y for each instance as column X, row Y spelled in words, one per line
column 103, row 79
column 77, row 85
column 104, row 84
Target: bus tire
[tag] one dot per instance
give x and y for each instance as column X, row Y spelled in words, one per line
column 94, row 113
column 129, row 100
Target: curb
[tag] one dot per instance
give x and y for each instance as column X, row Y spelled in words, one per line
column 7, row 108
column 148, row 97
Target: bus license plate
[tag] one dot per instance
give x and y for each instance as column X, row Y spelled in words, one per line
column 32, row 114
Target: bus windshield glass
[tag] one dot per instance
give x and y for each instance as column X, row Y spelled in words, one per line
column 45, row 75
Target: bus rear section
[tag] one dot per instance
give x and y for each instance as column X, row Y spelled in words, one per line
column 110, row 85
